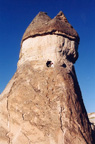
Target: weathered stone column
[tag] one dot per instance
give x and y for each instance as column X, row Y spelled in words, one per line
column 42, row 104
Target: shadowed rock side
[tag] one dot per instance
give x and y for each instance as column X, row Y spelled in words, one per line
column 42, row 104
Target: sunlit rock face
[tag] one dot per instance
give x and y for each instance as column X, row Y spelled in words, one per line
column 42, row 104
column 91, row 117
column 49, row 47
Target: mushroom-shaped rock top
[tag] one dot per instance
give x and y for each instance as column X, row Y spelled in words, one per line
column 42, row 24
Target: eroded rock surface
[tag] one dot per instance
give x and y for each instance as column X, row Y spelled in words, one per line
column 42, row 24
column 43, row 104
column 91, row 117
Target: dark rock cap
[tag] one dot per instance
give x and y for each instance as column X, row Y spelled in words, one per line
column 42, row 24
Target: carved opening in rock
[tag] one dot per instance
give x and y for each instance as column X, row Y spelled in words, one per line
column 60, row 51
column 63, row 44
column 72, row 57
column 63, row 65
column 49, row 63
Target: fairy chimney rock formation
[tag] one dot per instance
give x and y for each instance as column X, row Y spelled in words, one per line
column 42, row 103
column 47, row 38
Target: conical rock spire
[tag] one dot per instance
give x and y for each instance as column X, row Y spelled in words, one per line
column 61, row 16
column 42, row 24
column 42, row 104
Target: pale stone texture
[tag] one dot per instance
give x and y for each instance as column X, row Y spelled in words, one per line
column 50, row 47
column 43, row 105
column 91, row 117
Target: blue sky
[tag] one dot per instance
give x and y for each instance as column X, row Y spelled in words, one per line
column 16, row 15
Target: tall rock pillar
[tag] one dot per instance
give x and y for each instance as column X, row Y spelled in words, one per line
column 42, row 104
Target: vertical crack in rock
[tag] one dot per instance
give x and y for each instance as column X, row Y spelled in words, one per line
column 23, row 116
column 8, row 122
column 61, row 123
column 83, row 136
column 63, row 129
column 29, row 141
column 8, row 118
column 79, row 128
column 8, row 114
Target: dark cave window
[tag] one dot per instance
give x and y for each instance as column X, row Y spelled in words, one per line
column 60, row 51
column 49, row 63
column 63, row 44
column 64, row 65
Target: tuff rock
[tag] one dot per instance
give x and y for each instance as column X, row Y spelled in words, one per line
column 91, row 117
column 42, row 103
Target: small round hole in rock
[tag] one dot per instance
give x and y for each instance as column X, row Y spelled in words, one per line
column 64, row 65
column 49, row 63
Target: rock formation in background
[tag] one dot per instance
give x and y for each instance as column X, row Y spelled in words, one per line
column 91, row 117
column 42, row 104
